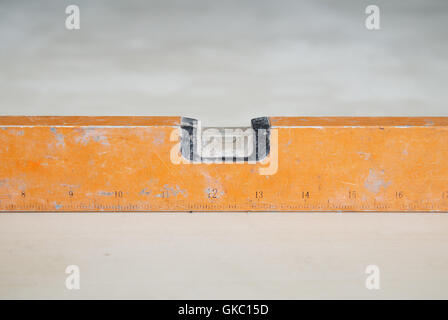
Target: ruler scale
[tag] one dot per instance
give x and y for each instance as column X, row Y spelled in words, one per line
column 173, row 164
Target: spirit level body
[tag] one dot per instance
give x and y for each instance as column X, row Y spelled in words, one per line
column 316, row 164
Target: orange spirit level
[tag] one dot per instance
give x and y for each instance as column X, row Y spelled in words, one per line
column 173, row 164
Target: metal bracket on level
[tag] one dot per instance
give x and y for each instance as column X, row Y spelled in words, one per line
column 228, row 144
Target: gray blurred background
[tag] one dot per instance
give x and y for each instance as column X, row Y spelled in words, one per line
column 224, row 62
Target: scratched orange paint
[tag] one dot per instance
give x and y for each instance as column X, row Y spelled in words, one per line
column 123, row 164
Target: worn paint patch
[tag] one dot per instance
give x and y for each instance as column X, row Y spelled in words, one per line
column 14, row 131
column 365, row 155
column 375, row 181
column 214, row 193
column 92, row 134
column 57, row 206
column 72, row 186
column 150, row 184
column 59, row 137
column 214, row 189
column 105, row 193
column 159, row 139
column 168, row 192
column 145, row 191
